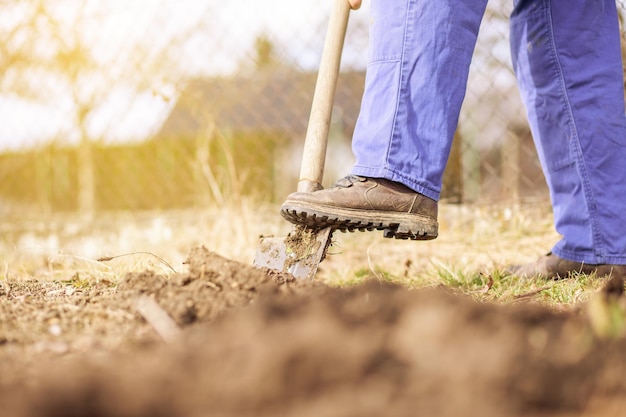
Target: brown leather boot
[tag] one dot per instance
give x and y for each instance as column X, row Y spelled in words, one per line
column 554, row 267
column 359, row 203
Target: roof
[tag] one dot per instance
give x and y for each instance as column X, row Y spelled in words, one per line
column 278, row 101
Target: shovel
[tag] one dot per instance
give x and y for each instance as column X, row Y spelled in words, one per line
column 301, row 252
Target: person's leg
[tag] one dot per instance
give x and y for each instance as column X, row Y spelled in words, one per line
column 419, row 58
column 567, row 59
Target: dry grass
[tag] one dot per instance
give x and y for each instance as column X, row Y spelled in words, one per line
column 474, row 248
column 60, row 247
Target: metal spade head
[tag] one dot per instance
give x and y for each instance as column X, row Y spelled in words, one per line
column 299, row 254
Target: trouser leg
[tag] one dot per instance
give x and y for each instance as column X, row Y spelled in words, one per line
column 567, row 59
column 420, row 52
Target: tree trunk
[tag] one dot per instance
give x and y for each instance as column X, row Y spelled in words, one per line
column 86, row 175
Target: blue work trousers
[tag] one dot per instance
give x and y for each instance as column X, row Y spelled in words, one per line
column 567, row 59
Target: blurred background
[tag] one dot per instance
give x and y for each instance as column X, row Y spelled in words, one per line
column 140, row 105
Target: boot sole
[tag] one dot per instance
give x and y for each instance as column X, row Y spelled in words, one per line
column 393, row 224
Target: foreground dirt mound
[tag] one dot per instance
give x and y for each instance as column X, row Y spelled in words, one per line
column 255, row 344
column 212, row 286
column 59, row 321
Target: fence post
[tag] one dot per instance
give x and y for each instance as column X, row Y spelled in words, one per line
column 510, row 168
column 470, row 167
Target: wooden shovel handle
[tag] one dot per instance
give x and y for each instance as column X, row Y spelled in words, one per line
column 314, row 154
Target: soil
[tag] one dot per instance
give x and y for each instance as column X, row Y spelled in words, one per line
column 258, row 343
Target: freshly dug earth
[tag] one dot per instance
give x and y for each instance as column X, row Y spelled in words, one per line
column 259, row 343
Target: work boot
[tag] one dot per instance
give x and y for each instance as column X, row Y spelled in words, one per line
column 554, row 267
column 359, row 203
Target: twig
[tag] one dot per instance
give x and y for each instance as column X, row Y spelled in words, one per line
column 487, row 286
column 158, row 318
column 163, row 261
column 380, row 277
column 531, row 294
column 80, row 258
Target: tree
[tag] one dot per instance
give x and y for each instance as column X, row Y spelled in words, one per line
column 60, row 53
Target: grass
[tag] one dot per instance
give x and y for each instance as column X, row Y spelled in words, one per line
column 492, row 285
column 61, row 246
column 470, row 256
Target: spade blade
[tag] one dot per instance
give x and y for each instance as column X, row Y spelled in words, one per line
column 299, row 254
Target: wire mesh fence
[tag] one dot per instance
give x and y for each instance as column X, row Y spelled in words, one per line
column 159, row 104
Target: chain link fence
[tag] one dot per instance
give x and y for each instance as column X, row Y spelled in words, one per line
column 165, row 104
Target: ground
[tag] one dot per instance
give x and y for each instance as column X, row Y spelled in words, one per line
column 238, row 341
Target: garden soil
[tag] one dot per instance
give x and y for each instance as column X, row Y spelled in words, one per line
column 257, row 343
